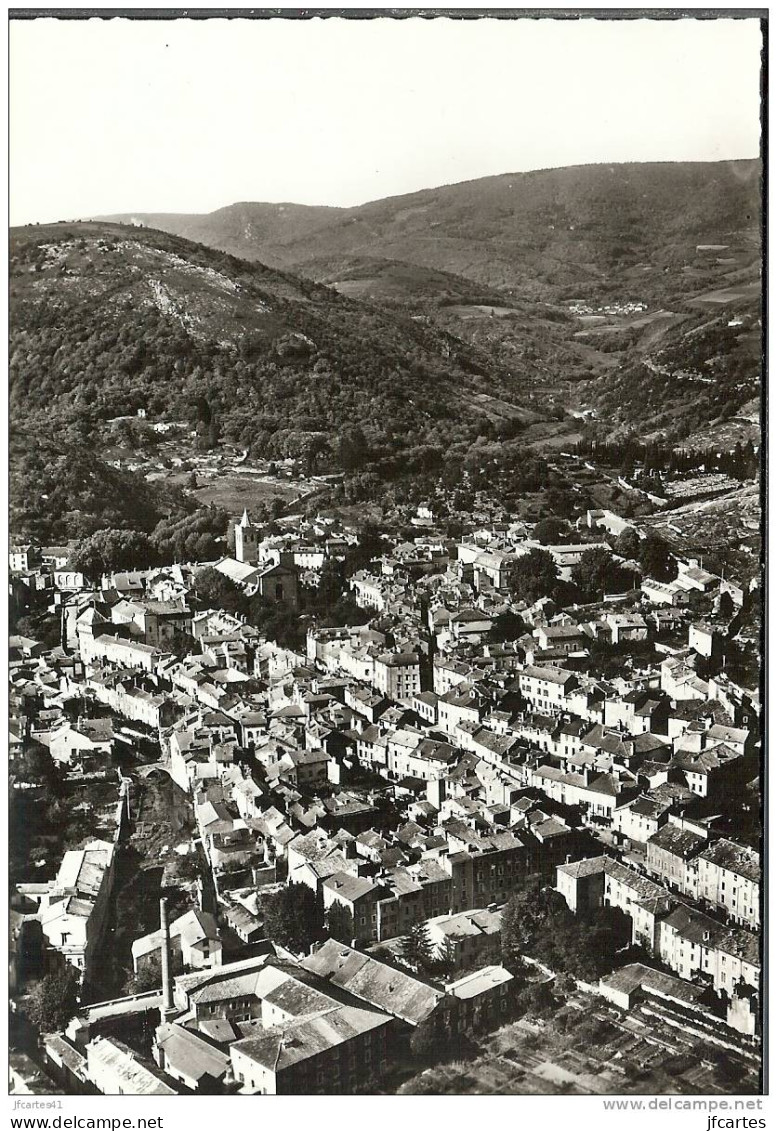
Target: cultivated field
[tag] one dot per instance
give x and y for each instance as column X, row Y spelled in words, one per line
column 591, row 1048
column 725, row 533
column 161, row 820
column 234, row 492
column 725, row 295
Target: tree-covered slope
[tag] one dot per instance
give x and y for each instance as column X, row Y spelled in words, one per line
column 106, row 320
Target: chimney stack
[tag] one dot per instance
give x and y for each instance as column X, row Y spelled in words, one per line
column 168, row 1007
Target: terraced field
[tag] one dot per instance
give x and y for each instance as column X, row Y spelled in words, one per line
column 728, row 527
column 592, row 1048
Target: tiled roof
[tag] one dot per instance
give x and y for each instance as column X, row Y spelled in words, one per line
column 737, row 858
column 394, row 991
column 679, row 842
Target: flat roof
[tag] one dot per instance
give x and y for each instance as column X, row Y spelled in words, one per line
column 479, row 982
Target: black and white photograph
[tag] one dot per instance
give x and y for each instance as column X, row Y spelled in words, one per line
column 386, row 463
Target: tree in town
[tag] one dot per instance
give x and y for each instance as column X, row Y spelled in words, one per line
column 426, row 1044
column 149, row 976
column 276, row 621
column 331, row 585
column 538, row 923
column 220, row 592
column 386, row 956
column 444, row 962
column 368, row 546
column 560, row 501
column 345, row 611
column 656, row 558
column 54, row 1000
column 549, row 531
column 536, row 999
column 417, row 947
column 726, row 606
column 522, row 917
column 108, row 550
column 586, row 945
column 532, row 576
column 506, row 626
column 339, row 923
column 214, row 432
column 44, row 627
column 196, row 536
column 627, row 543
column 294, row 917
column 35, row 764
column 597, row 573
column 317, row 446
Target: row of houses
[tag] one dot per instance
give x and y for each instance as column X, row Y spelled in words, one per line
column 687, row 941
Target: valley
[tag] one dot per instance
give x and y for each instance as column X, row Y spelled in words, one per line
column 387, row 684
column 388, row 376
column 415, row 600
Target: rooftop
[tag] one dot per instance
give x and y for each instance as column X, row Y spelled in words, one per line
column 124, row 1065
column 705, row 932
column 469, row 924
column 479, row 982
column 394, row 991
column 677, row 841
column 189, row 1053
column 550, row 675
column 349, row 887
column 284, row 1046
column 737, row 858
column 636, row 975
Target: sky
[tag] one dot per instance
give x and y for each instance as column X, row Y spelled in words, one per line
column 116, row 115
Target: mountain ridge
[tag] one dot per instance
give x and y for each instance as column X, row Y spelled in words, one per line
column 531, row 231
column 122, row 217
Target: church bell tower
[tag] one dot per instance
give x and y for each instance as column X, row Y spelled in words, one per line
column 247, row 536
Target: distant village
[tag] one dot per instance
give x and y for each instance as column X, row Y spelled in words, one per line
column 384, row 792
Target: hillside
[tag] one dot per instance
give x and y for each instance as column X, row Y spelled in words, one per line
column 107, row 320
column 59, row 489
column 693, row 375
column 413, row 285
column 546, row 233
column 575, row 281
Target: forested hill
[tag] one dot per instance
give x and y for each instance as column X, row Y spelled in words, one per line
column 533, row 232
column 108, row 319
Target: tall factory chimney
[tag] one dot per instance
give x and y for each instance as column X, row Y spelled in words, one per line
column 168, row 1006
